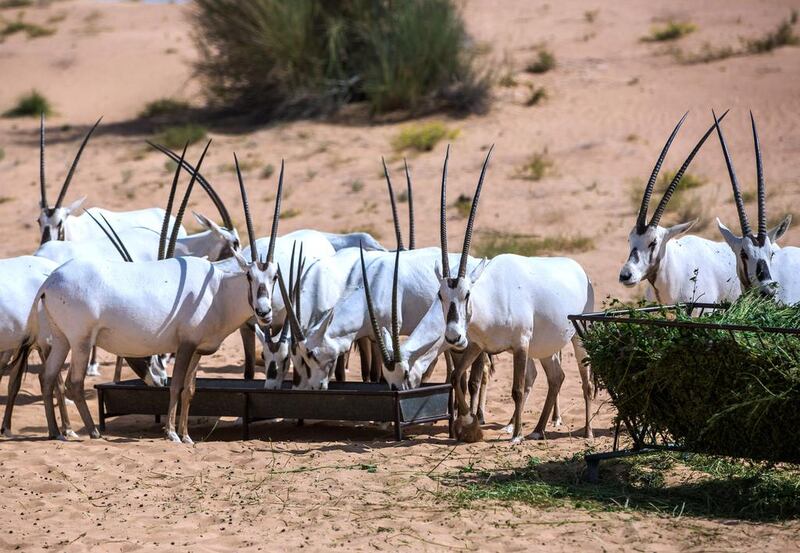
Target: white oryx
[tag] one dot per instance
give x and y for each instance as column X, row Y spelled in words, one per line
column 512, row 303
column 317, row 346
column 187, row 305
column 326, row 281
column 760, row 263
column 684, row 269
column 59, row 223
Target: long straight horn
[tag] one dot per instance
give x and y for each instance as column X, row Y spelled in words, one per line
column 762, row 191
column 301, row 262
column 292, row 293
column 443, row 218
column 737, row 194
column 462, row 268
column 397, row 233
column 227, row 222
column 182, row 207
column 297, row 333
column 74, row 165
column 123, row 253
column 641, row 219
column 412, row 235
column 395, row 313
column 247, row 218
column 162, row 241
column 42, row 184
column 376, row 329
column 276, row 216
column 662, row 205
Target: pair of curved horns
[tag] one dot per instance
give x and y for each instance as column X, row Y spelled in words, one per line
column 389, row 360
column 166, row 252
column 227, row 222
column 641, row 219
column 112, row 236
column 64, row 187
column 737, row 193
column 462, row 268
column 273, row 235
column 294, row 293
column 411, row 229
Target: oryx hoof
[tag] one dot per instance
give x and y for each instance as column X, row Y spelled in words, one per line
column 509, row 428
column 173, row 437
column 8, row 433
column 537, row 435
column 556, row 422
column 187, row 440
column 516, row 440
column 68, row 401
column 94, row 434
column 70, row 434
column 468, row 429
column 59, row 437
column 588, row 434
column 93, row 369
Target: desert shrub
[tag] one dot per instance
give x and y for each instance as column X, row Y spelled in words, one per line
column 290, row 57
column 31, row 30
column 712, row 391
column 2, row 154
column 162, row 107
column 782, row 35
column 545, row 61
column 680, row 197
column 537, row 95
column 177, row 136
column 536, row 167
column 490, row 244
column 671, row 30
column 32, row 104
column 422, row 137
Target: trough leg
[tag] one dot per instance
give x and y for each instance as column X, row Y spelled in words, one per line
column 246, row 418
column 398, row 428
column 101, row 407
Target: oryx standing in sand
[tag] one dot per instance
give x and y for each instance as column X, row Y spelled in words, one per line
column 678, row 268
column 760, row 263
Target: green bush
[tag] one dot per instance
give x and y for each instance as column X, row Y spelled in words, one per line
column 32, row 104
column 162, row 107
column 491, row 244
column 711, row 391
column 177, row 136
column 672, row 30
column 422, row 137
column 294, row 57
column 544, row 62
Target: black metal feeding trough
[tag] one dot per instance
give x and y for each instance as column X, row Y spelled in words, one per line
column 226, row 397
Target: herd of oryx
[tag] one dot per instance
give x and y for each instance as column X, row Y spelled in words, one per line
column 136, row 285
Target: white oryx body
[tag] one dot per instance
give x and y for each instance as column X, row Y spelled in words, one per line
column 679, row 270
column 760, row 263
column 81, row 228
column 352, row 240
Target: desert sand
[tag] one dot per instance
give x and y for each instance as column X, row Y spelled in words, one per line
column 612, row 101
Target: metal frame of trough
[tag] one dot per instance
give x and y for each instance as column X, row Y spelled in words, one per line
column 248, row 399
column 645, row 440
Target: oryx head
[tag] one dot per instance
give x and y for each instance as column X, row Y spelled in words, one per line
column 753, row 252
column 261, row 273
column 648, row 241
column 395, row 365
column 276, row 350
column 313, row 352
column 52, row 220
column 454, row 293
column 225, row 240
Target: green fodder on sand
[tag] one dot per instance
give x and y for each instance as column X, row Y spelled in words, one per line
column 713, row 391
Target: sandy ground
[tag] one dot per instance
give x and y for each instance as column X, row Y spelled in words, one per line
column 613, row 100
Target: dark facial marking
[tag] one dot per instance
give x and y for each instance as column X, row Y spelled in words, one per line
column 634, row 255
column 762, row 271
column 262, row 290
column 452, row 315
column 272, row 371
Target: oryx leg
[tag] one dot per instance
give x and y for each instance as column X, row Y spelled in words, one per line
column 249, row 345
column 183, row 358
column 478, row 377
column 518, row 383
column 66, row 426
column 93, row 368
column 50, row 378
column 429, row 371
column 530, row 378
column 556, row 418
column 14, row 384
column 339, row 371
column 189, row 381
column 118, row 370
column 555, row 377
column 586, row 382
column 484, row 390
column 376, row 365
column 76, row 375
column 448, row 359
column 466, row 427
column 365, row 354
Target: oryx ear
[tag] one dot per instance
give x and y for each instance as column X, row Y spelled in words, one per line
column 243, row 263
column 780, row 229
column 324, row 323
column 475, row 274
column 732, row 240
column 76, row 205
column 205, row 222
column 677, row 230
column 262, row 338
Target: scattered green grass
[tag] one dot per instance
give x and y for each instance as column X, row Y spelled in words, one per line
column 423, row 137
column 668, row 484
column 671, row 30
column 708, row 53
column 537, row 95
column 356, row 186
column 162, row 107
column 32, row 104
column 680, row 198
column 2, row 154
column 544, row 62
column 290, row 213
column 490, row 244
column 537, row 166
column 176, row 136
column 590, row 16
column 30, row 29
column 463, row 205
column 402, row 196
column 170, row 166
column 782, row 35
column 5, row 199
column 15, row 4
column 268, row 171
column 507, row 80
